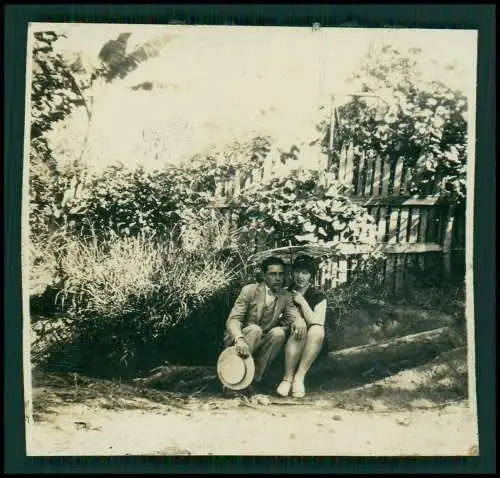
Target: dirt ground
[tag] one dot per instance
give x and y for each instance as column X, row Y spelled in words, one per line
column 397, row 416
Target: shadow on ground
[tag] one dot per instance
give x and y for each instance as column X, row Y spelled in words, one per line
column 438, row 382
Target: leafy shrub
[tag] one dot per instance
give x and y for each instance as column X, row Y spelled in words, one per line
column 301, row 208
column 421, row 120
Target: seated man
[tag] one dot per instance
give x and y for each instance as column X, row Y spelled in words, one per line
column 261, row 316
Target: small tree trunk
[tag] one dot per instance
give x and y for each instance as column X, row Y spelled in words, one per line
column 416, row 349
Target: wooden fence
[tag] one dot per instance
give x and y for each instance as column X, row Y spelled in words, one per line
column 418, row 234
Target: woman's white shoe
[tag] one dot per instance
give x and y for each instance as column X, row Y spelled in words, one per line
column 298, row 389
column 284, row 388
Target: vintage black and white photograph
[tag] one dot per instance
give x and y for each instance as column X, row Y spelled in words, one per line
column 249, row 240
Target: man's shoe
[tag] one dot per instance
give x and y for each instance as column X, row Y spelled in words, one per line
column 228, row 393
column 255, row 388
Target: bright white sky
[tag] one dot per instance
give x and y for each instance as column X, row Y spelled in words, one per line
column 228, row 82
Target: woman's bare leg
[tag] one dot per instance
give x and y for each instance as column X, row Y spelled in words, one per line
column 293, row 352
column 311, row 349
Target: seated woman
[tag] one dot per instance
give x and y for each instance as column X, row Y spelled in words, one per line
column 306, row 340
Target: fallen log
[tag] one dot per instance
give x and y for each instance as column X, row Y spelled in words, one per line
column 395, row 354
column 414, row 349
column 183, row 385
column 175, row 373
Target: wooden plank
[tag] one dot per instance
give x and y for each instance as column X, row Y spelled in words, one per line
column 442, row 222
column 414, row 223
column 397, row 201
column 353, row 265
column 424, row 224
column 382, row 224
column 349, row 268
column 418, row 248
column 386, row 176
column 377, row 176
column 369, row 176
column 336, row 271
column 393, row 226
column 450, row 218
column 321, row 275
column 357, row 251
column 398, row 171
column 375, row 167
column 361, row 169
column 403, row 225
column 328, row 274
column 342, row 270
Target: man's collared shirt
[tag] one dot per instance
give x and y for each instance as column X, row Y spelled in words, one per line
column 270, row 296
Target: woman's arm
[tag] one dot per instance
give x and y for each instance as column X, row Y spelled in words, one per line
column 312, row 317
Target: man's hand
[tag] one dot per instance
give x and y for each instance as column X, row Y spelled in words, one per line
column 299, row 328
column 242, row 347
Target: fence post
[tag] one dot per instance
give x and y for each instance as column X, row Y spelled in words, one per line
column 448, row 234
column 386, row 175
column 393, row 226
column 377, row 176
column 369, row 165
column 414, row 220
column 349, row 166
column 398, row 171
column 382, row 224
column 403, row 225
column 342, row 167
column 361, row 172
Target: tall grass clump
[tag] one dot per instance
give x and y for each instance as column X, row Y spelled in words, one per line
column 127, row 296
